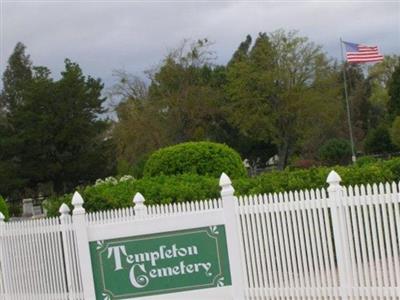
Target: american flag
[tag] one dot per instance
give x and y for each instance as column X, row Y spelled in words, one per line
column 357, row 53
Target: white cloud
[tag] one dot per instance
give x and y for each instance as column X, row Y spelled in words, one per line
column 135, row 36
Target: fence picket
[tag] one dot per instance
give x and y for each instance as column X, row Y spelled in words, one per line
column 347, row 203
column 393, row 237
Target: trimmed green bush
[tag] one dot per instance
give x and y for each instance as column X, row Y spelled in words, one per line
column 201, row 158
column 4, row 208
column 335, row 151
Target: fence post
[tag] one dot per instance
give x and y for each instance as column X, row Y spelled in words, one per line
column 140, row 208
column 229, row 203
column 338, row 214
column 82, row 242
column 65, row 221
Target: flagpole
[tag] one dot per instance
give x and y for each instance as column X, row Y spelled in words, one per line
column 353, row 157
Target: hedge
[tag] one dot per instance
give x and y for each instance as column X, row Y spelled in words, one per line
column 160, row 189
column 189, row 187
column 201, row 158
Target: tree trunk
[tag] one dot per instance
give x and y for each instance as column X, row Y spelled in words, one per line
column 283, row 155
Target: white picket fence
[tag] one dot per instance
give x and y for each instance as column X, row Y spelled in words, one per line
column 339, row 243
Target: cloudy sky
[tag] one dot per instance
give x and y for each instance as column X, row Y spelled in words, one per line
column 135, row 35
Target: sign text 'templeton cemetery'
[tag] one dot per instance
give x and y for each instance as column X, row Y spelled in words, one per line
column 155, row 264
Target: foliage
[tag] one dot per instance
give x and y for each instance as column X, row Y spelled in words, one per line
column 16, row 78
column 365, row 160
column 140, row 128
column 184, row 88
column 4, row 208
column 190, row 187
column 17, row 75
column 395, row 132
column 335, row 151
column 160, row 189
column 378, row 141
column 379, row 76
column 59, row 122
column 394, row 92
column 278, row 94
column 316, row 177
column 360, row 108
column 202, row 158
column 279, row 88
column 180, row 104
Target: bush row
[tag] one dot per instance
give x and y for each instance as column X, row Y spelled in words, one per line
column 188, row 187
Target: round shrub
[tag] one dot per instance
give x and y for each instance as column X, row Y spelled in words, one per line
column 202, row 158
column 335, row 151
column 4, row 208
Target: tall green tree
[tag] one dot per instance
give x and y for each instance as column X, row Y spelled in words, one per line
column 281, row 90
column 140, row 129
column 394, row 93
column 182, row 88
column 17, row 76
column 359, row 90
column 58, row 137
column 379, row 76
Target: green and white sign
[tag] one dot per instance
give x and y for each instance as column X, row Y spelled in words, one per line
column 155, row 264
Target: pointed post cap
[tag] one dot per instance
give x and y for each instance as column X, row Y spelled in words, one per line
column 225, row 183
column 138, row 199
column 64, row 209
column 224, row 180
column 2, row 217
column 333, row 178
column 77, row 202
column 140, row 208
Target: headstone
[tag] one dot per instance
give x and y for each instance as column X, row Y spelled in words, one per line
column 37, row 210
column 27, row 208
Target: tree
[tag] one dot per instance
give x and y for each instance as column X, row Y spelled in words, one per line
column 179, row 105
column 376, row 89
column 182, row 88
column 58, row 137
column 394, row 93
column 17, row 76
column 138, row 132
column 281, row 90
column 395, row 132
column 184, row 102
column 379, row 76
column 378, row 141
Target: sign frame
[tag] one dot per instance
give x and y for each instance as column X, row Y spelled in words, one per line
column 207, row 238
